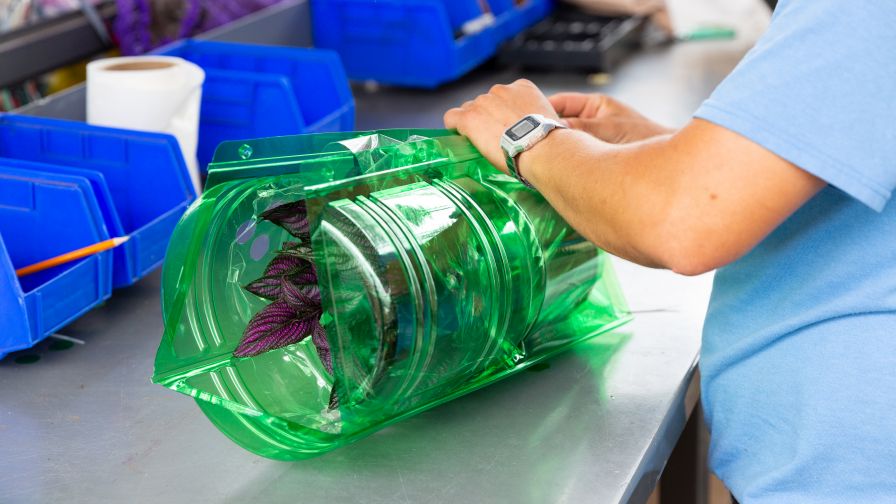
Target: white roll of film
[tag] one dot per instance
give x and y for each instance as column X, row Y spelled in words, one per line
column 149, row 93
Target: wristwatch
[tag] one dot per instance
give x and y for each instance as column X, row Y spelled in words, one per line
column 522, row 136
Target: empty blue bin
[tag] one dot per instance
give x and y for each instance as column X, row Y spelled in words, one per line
column 417, row 43
column 144, row 176
column 43, row 215
column 254, row 91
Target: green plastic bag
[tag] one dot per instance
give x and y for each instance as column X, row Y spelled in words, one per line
column 436, row 275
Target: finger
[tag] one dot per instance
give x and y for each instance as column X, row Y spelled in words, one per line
column 569, row 104
column 576, row 123
column 452, row 118
column 499, row 90
column 467, row 122
column 496, row 107
column 580, row 105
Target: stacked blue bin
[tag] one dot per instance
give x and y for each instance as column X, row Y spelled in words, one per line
column 418, row 43
column 255, row 91
column 66, row 185
column 35, row 227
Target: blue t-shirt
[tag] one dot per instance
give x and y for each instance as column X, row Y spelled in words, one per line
column 799, row 347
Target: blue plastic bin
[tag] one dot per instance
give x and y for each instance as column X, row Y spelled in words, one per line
column 254, row 91
column 511, row 19
column 43, row 215
column 141, row 180
column 416, row 43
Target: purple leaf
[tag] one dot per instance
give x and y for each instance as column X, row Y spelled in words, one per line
column 319, row 338
column 285, row 210
column 292, row 217
column 298, row 249
column 285, row 264
column 268, row 287
column 303, row 278
column 334, row 399
column 275, row 326
column 305, row 299
column 282, row 268
column 313, row 293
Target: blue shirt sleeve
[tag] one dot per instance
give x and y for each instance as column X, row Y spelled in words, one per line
column 819, row 90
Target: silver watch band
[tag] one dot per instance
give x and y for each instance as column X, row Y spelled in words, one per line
column 522, row 136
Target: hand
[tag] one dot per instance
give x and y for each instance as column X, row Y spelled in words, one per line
column 605, row 118
column 485, row 119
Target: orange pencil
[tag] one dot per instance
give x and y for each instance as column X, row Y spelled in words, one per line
column 74, row 255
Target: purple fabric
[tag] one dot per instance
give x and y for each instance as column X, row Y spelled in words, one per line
column 134, row 26
column 191, row 19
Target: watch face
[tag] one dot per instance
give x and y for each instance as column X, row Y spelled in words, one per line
column 522, row 128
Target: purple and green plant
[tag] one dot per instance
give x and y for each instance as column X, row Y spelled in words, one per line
column 290, row 283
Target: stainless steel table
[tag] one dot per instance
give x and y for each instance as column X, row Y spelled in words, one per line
column 84, row 424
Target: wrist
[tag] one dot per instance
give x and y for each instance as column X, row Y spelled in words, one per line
column 533, row 163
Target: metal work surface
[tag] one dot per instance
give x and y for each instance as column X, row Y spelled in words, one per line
column 596, row 424
column 84, row 425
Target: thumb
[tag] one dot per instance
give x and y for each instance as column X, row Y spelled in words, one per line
column 607, row 131
column 569, row 104
column 575, row 123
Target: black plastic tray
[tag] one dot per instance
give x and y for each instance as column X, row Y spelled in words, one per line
column 571, row 40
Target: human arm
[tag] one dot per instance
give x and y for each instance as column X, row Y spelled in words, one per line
column 605, row 118
column 690, row 201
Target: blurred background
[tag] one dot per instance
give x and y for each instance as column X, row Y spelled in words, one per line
column 64, row 34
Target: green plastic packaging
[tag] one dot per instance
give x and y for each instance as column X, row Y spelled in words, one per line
column 438, row 275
